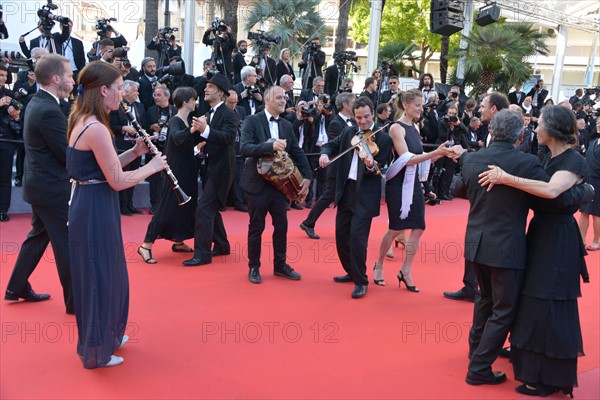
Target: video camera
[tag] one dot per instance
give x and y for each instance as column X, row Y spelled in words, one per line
column 167, row 32
column 218, row 26
column 343, row 58
column 47, row 19
column 103, row 26
column 170, row 71
column 261, row 37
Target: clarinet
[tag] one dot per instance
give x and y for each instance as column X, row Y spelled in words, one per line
column 143, row 135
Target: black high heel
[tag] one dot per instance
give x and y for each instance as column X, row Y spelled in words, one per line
column 403, row 242
column 379, row 282
column 146, row 255
column 401, row 279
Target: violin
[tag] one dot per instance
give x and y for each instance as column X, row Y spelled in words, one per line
column 364, row 143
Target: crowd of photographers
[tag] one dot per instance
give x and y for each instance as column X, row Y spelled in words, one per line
column 325, row 96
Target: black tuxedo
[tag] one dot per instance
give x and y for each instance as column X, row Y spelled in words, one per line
column 46, row 187
column 217, row 179
column 516, row 97
column 76, row 47
column 357, row 201
column 541, row 96
column 146, row 90
column 386, row 96
column 199, row 84
column 245, row 103
column 118, row 120
column 308, row 95
column 333, row 79
column 59, row 38
column 262, row 197
column 239, row 62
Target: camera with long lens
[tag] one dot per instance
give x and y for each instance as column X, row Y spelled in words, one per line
column 171, row 71
column 103, row 26
column 218, row 26
column 308, row 111
column 11, row 55
column 162, row 123
column 344, row 89
column 325, row 99
column 124, row 59
column 261, row 37
column 450, row 118
column 167, row 32
column 346, row 58
column 210, row 72
column 47, row 18
column 254, row 89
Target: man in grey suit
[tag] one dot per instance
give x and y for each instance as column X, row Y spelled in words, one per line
column 45, row 184
column 263, row 134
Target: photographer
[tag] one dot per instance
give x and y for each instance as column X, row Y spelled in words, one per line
column 199, row 84
column 219, row 37
column 265, row 63
column 10, row 129
column 46, row 38
column 304, row 130
column 121, row 61
column 3, row 30
column 311, row 95
column 313, row 59
column 250, row 97
column 429, row 119
column 164, row 42
column 72, row 48
column 107, row 47
column 452, row 130
column 147, row 82
column 177, row 81
column 239, row 61
column 105, row 31
column 453, row 98
column 388, row 72
column 157, row 119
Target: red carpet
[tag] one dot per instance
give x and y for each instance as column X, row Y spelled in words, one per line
column 207, row 332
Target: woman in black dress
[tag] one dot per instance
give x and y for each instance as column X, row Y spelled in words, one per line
column 172, row 221
column 546, row 335
column 284, row 67
column 98, row 268
column 592, row 159
column 403, row 193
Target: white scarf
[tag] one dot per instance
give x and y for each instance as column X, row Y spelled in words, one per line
column 408, row 184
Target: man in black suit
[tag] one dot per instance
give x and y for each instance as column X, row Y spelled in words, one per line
column 249, row 95
column 517, row 96
column 357, row 195
column 239, row 61
column 166, row 47
column 287, row 83
column 390, row 95
column 313, row 59
column 147, row 82
column 577, row 97
column 117, row 39
column 267, row 65
column 333, row 78
column 495, row 240
column 218, row 129
column 236, row 194
column 72, row 48
column 341, row 121
column 538, row 95
column 311, row 96
column 125, row 139
column 262, row 135
column 44, row 42
column 46, row 185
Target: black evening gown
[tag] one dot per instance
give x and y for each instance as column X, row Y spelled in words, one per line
column 393, row 189
column 98, row 268
column 592, row 159
column 172, row 221
column 546, row 336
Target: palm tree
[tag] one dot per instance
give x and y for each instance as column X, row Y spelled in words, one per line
column 296, row 21
column 444, row 58
column 151, row 22
column 400, row 55
column 230, row 10
column 501, row 49
column 342, row 27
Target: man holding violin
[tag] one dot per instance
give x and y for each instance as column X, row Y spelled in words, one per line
column 358, row 191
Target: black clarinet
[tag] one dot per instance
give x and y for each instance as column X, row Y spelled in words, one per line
column 142, row 134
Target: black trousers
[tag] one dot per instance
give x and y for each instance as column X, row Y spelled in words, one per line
column 49, row 225
column 7, row 153
column 495, row 309
column 352, row 236
column 20, row 162
column 268, row 200
column 236, row 194
column 126, row 196
column 469, row 278
column 209, row 227
column 326, row 198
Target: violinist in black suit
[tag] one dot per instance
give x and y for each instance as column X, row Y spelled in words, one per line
column 357, row 195
column 262, row 135
column 46, row 185
column 124, row 134
column 219, row 128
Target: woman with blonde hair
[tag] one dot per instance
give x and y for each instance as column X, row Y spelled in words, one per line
column 284, row 66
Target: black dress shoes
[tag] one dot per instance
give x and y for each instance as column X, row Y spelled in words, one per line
column 359, row 291
column 494, row 378
column 125, row 211
column 194, row 262
column 296, row 206
column 309, row 231
column 241, row 208
column 460, row 295
column 342, row 278
column 505, row 352
column 27, row 296
column 287, row 272
column 71, row 310
column 309, row 204
column 216, row 253
column 133, row 210
column 254, row 275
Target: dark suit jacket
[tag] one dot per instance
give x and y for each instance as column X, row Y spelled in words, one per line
column 270, row 72
column 146, row 91
column 512, row 97
column 78, row 53
column 332, row 79
column 255, row 133
column 368, row 185
column 336, row 126
column 307, row 95
column 59, row 38
column 118, row 120
column 239, row 62
column 282, row 69
column 220, row 150
column 541, row 96
column 45, row 181
column 223, row 52
column 245, row 103
column 386, row 96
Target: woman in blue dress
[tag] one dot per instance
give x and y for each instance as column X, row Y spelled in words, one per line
column 99, row 271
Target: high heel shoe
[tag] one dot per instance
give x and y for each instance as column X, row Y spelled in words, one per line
column 409, row 288
column 400, row 241
column 146, row 255
column 379, row 282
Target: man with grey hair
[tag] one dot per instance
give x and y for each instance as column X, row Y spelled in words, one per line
column 249, row 95
column 344, row 103
column 495, row 240
column 311, row 95
column 124, row 138
column 287, row 83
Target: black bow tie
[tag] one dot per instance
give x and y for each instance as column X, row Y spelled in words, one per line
column 212, row 110
column 275, row 119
